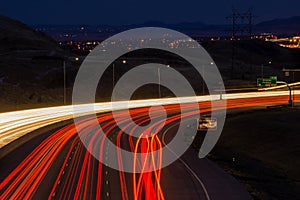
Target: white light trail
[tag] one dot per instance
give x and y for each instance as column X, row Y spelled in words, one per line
column 14, row 125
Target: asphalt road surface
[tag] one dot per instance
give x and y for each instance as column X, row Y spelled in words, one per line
column 55, row 164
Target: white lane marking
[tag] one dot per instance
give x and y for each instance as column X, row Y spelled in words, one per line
column 184, row 163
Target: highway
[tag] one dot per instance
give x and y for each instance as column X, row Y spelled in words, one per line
column 14, row 125
column 56, row 165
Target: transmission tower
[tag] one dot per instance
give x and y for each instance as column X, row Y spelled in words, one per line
column 241, row 23
column 241, row 26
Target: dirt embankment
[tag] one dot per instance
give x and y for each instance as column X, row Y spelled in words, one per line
column 261, row 149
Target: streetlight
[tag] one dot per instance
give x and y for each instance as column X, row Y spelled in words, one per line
column 293, row 87
column 262, row 69
column 65, row 74
column 290, row 99
column 65, row 84
column 159, row 81
column 113, row 78
column 113, row 74
column 203, row 77
column 287, row 73
column 158, row 73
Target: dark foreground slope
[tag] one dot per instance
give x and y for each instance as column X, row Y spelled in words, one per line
column 266, row 152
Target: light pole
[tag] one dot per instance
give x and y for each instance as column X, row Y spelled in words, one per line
column 158, row 73
column 65, row 59
column 203, row 80
column 203, row 74
column 290, row 98
column 262, row 69
column 159, row 81
column 113, row 79
column 293, row 87
column 287, row 73
column 65, row 84
column 113, row 75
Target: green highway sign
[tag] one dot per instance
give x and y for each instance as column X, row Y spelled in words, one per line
column 267, row 82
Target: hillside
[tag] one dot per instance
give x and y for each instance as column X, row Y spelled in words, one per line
column 285, row 26
column 25, row 53
column 17, row 36
column 249, row 56
column 29, row 65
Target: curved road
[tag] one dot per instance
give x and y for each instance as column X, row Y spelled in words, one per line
column 52, row 162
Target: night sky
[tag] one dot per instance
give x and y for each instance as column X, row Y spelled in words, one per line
column 122, row 12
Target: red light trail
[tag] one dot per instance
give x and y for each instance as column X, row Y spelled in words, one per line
column 81, row 176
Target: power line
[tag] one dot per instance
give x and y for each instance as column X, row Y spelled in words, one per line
column 241, row 23
column 241, row 26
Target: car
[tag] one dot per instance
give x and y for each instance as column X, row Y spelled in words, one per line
column 207, row 123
